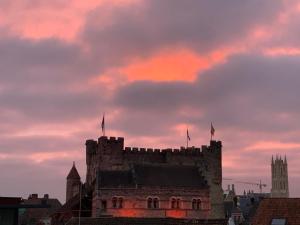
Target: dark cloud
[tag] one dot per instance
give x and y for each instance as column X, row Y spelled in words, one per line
column 248, row 92
column 141, row 29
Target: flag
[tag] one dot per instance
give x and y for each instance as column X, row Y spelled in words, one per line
column 212, row 130
column 187, row 135
column 103, row 125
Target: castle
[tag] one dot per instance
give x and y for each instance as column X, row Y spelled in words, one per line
column 151, row 183
column 280, row 183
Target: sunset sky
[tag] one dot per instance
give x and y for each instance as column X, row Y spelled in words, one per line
column 155, row 67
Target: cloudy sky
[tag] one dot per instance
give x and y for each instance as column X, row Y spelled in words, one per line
column 155, row 68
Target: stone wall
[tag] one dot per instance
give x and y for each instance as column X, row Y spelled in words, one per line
column 135, row 202
column 110, row 154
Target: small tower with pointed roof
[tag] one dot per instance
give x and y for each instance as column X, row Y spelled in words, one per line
column 280, row 184
column 73, row 183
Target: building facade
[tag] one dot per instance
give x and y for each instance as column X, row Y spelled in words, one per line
column 154, row 183
column 280, row 183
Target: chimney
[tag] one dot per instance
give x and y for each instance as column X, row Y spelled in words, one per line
column 46, row 196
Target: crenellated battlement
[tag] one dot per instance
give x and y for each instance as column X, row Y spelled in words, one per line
column 176, row 151
column 116, row 144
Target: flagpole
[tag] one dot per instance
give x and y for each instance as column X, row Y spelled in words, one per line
column 187, row 142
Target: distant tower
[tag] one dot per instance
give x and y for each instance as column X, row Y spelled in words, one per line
column 280, row 183
column 73, row 183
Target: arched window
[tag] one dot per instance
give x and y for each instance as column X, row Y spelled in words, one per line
column 114, row 202
column 155, row 203
column 198, row 204
column 178, row 203
column 194, row 204
column 120, row 203
column 173, row 203
column 149, row 203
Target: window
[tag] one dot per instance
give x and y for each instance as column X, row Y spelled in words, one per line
column 117, row 202
column 103, row 205
column 196, row 204
column 152, row 203
column 149, row 203
column 114, row 202
column 155, row 203
column 120, row 203
column 278, row 222
column 175, row 203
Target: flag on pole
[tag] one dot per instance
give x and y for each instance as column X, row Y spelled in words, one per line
column 103, row 126
column 187, row 135
column 212, row 130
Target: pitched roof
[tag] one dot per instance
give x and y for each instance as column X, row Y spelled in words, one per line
column 73, row 174
column 153, row 176
column 277, row 208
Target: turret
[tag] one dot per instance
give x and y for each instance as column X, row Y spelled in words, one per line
column 73, row 183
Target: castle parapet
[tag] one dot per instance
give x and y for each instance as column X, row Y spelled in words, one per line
column 182, row 151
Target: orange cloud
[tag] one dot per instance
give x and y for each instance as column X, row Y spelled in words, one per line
column 46, row 20
column 177, row 65
column 277, row 51
column 44, row 156
column 271, row 145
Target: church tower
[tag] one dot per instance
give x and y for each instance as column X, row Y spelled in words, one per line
column 73, row 183
column 280, row 184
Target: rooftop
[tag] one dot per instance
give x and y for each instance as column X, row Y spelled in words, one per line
column 278, row 208
column 153, row 176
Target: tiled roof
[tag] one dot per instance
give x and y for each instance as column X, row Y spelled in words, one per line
column 153, row 176
column 276, row 208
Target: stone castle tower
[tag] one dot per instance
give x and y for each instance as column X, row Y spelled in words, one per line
column 73, row 183
column 280, row 184
column 109, row 154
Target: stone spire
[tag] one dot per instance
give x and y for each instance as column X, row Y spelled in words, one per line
column 73, row 174
column 280, row 184
column 73, row 183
